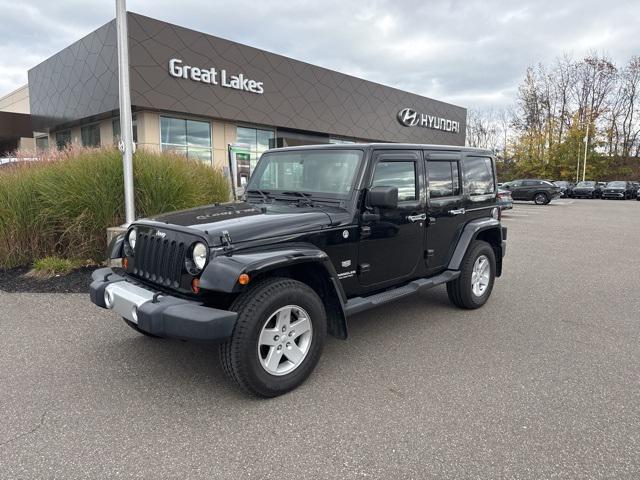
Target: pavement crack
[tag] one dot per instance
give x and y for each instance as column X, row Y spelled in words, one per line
column 28, row 432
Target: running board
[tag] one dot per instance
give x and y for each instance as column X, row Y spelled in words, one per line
column 360, row 304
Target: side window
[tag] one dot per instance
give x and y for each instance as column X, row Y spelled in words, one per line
column 397, row 174
column 479, row 175
column 444, row 179
column 529, row 183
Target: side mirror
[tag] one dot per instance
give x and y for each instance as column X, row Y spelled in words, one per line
column 383, row 197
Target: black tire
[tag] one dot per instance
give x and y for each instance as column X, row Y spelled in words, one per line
column 239, row 355
column 541, row 198
column 460, row 290
column 137, row 329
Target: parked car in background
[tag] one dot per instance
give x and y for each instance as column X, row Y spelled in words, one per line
column 539, row 191
column 566, row 188
column 636, row 188
column 505, row 200
column 619, row 189
column 587, row 189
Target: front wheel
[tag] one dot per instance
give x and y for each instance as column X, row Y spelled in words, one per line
column 477, row 274
column 541, row 198
column 278, row 337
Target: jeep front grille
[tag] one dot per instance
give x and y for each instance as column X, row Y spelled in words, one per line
column 159, row 260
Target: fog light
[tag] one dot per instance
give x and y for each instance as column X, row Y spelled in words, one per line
column 243, row 279
column 195, row 285
column 108, row 299
column 134, row 314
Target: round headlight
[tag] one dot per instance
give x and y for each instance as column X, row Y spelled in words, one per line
column 132, row 238
column 199, row 255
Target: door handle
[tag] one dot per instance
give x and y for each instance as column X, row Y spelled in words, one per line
column 458, row 211
column 417, row 218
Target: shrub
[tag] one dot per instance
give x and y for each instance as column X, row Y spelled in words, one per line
column 62, row 205
column 49, row 266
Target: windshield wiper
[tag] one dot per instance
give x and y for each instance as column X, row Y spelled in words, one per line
column 303, row 196
column 264, row 194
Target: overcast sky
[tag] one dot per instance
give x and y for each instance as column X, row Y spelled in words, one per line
column 471, row 52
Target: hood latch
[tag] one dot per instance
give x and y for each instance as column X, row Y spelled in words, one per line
column 225, row 239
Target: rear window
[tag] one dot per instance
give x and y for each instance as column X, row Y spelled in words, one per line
column 444, row 179
column 479, row 175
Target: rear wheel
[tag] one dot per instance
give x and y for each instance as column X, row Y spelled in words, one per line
column 477, row 274
column 278, row 337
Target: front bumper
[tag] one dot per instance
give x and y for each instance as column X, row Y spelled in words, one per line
column 583, row 193
column 613, row 194
column 159, row 314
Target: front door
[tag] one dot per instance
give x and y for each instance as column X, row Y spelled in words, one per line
column 517, row 189
column 392, row 241
column 445, row 209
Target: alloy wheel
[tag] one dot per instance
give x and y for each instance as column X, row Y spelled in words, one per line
column 285, row 340
column 480, row 276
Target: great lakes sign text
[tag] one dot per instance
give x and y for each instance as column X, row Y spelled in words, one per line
column 214, row 76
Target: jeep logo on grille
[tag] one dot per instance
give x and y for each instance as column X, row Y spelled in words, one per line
column 161, row 234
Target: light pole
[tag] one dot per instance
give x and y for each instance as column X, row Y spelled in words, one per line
column 578, row 166
column 126, row 123
column 586, row 144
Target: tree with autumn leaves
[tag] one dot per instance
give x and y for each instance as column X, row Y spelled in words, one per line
column 559, row 111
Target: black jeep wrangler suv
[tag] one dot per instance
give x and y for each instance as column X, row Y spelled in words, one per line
column 323, row 232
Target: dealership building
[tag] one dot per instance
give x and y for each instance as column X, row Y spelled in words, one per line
column 195, row 93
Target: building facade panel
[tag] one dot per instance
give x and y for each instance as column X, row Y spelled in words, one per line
column 78, row 82
column 183, row 74
column 290, row 94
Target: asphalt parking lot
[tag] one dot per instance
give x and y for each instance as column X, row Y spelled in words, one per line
column 543, row 382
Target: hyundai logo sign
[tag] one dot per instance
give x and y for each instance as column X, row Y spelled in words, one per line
column 408, row 117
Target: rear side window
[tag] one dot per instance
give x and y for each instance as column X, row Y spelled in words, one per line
column 479, row 175
column 397, row 174
column 444, row 179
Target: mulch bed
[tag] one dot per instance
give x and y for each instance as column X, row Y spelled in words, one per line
column 18, row 280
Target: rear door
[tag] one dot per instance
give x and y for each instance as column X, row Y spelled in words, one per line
column 392, row 242
column 445, row 210
column 529, row 187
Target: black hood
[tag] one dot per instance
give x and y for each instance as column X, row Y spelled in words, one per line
column 247, row 222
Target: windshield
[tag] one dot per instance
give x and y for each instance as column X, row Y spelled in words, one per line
column 616, row 185
column 586, row 184
column 325, row 173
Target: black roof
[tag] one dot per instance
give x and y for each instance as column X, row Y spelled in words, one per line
column 387, row 146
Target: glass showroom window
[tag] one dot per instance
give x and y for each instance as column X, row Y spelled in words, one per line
column 42, row 143
column 63, row 139
column 191, row 138
column 257, row 140
column 90, row 135
column 115, row 125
